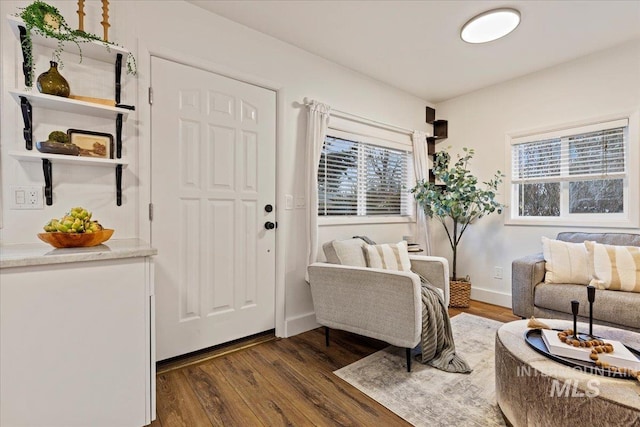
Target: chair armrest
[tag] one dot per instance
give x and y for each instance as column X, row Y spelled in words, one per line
column 526, row 274
column 435, row 270
column 377, row 303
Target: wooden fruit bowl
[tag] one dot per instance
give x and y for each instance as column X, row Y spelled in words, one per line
column 75, row 240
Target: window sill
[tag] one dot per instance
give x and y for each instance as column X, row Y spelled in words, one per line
column 620, row 222
column 352, row 220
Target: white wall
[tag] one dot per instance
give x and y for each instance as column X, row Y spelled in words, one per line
column 180, row 30
column 597, row 85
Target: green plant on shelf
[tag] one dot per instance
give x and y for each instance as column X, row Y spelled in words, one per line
column 43, row 19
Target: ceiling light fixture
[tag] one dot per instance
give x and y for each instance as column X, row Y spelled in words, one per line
column 490, row 25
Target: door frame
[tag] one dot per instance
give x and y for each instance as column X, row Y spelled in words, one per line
column 146, row 51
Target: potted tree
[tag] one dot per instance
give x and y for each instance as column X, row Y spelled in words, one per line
column 457, row 200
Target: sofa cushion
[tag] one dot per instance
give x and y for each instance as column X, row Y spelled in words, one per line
column 620, row 308
column 565, row 262
column 388, row 256
column 616, row 268
column 345, row 252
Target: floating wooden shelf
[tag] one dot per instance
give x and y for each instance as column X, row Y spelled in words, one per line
column 92, row 49
column 59, row 103
column 36, row 156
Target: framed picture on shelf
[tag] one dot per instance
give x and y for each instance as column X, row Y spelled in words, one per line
column 92, row 144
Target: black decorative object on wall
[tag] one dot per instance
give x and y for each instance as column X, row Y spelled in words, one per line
column 440, row 132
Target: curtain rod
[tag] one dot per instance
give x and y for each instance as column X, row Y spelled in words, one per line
column 366, row 120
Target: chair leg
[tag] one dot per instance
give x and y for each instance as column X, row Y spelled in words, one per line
column 326, row 336
column 408, row 350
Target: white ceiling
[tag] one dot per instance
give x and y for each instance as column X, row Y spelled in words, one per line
column 415, row 45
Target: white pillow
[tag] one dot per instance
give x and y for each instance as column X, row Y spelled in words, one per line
column 345, row 252
column 566, row 262
column 616, row 268
column 388, row 256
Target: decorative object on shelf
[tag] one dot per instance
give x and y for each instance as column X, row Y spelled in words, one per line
column 92, row 144
column 102, row 101
column 46, row 20
column 51, row 82
column 457, row 203
column 105, row 19
column 81, row 15
column 75, row 229
column 75, row 240
column 58, row 143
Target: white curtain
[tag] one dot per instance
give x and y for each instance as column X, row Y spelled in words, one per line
column 317, row 122
column 421, row 170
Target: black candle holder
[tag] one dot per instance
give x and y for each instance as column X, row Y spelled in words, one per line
column 591, row 295
column 575, row 304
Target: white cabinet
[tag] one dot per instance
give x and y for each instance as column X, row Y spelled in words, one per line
column 76, row 342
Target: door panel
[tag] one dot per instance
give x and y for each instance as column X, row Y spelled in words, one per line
column 213, row 171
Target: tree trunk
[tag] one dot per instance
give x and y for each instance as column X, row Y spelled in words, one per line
column 455, row 249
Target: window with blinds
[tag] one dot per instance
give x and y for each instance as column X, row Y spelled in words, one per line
column 574, row 171
column 360, row 179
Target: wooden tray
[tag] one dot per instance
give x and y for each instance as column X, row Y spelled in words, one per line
column 533, row 337
column 75, row 240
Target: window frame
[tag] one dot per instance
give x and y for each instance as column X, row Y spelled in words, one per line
column 367, row 134
column 629, row 218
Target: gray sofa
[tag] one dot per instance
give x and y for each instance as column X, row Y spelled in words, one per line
column 532, row 297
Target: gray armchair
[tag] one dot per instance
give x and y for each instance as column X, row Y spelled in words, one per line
column 376, row 303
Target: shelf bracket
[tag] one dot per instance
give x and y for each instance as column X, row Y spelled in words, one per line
column 27, row 116
column 119, row 136
column 48, row 182
column 118, row 76
column 26, row 69
column 119, row 185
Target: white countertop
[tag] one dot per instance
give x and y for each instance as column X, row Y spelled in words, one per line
column 24, row 255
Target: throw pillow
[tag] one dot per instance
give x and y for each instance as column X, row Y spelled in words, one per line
column 345, row 252
column 616, row 268
column 565, row 262
column 388, row 256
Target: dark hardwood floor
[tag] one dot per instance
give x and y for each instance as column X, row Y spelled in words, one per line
column 266, row 381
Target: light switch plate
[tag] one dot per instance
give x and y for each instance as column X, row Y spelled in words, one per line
column 25, row 197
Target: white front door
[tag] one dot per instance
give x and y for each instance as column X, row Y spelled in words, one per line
column 213, row 142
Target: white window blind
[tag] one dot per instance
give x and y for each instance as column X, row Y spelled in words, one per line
column 589, row 155
column 360, row 179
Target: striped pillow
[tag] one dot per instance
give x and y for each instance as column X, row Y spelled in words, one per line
column 388, row 256
column 616, row 268
column 565, row 262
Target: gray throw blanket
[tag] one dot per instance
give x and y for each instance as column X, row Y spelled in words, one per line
column 438, row 349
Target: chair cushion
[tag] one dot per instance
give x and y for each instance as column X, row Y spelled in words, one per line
column 565, row 262
column 616, row 268
column 345, row 252
column 388, row 256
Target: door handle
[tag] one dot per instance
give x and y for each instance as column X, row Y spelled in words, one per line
column 270, row 225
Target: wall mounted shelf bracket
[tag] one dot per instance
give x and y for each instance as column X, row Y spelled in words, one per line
column 26, row 69
column 27, row 117
column 118, row 76
column 119, row 185
column 48, row 181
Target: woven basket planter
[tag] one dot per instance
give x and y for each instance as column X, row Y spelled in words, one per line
column 459, row 293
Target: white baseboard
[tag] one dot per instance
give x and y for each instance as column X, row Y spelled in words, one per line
column 491, row 297
column 299, row 324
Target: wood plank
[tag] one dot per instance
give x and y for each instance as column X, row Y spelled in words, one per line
column 319, row 385
column 177, row 405
column 267, row 402
column 219, row 399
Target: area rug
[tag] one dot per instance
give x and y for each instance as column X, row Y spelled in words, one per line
column 427, row 396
